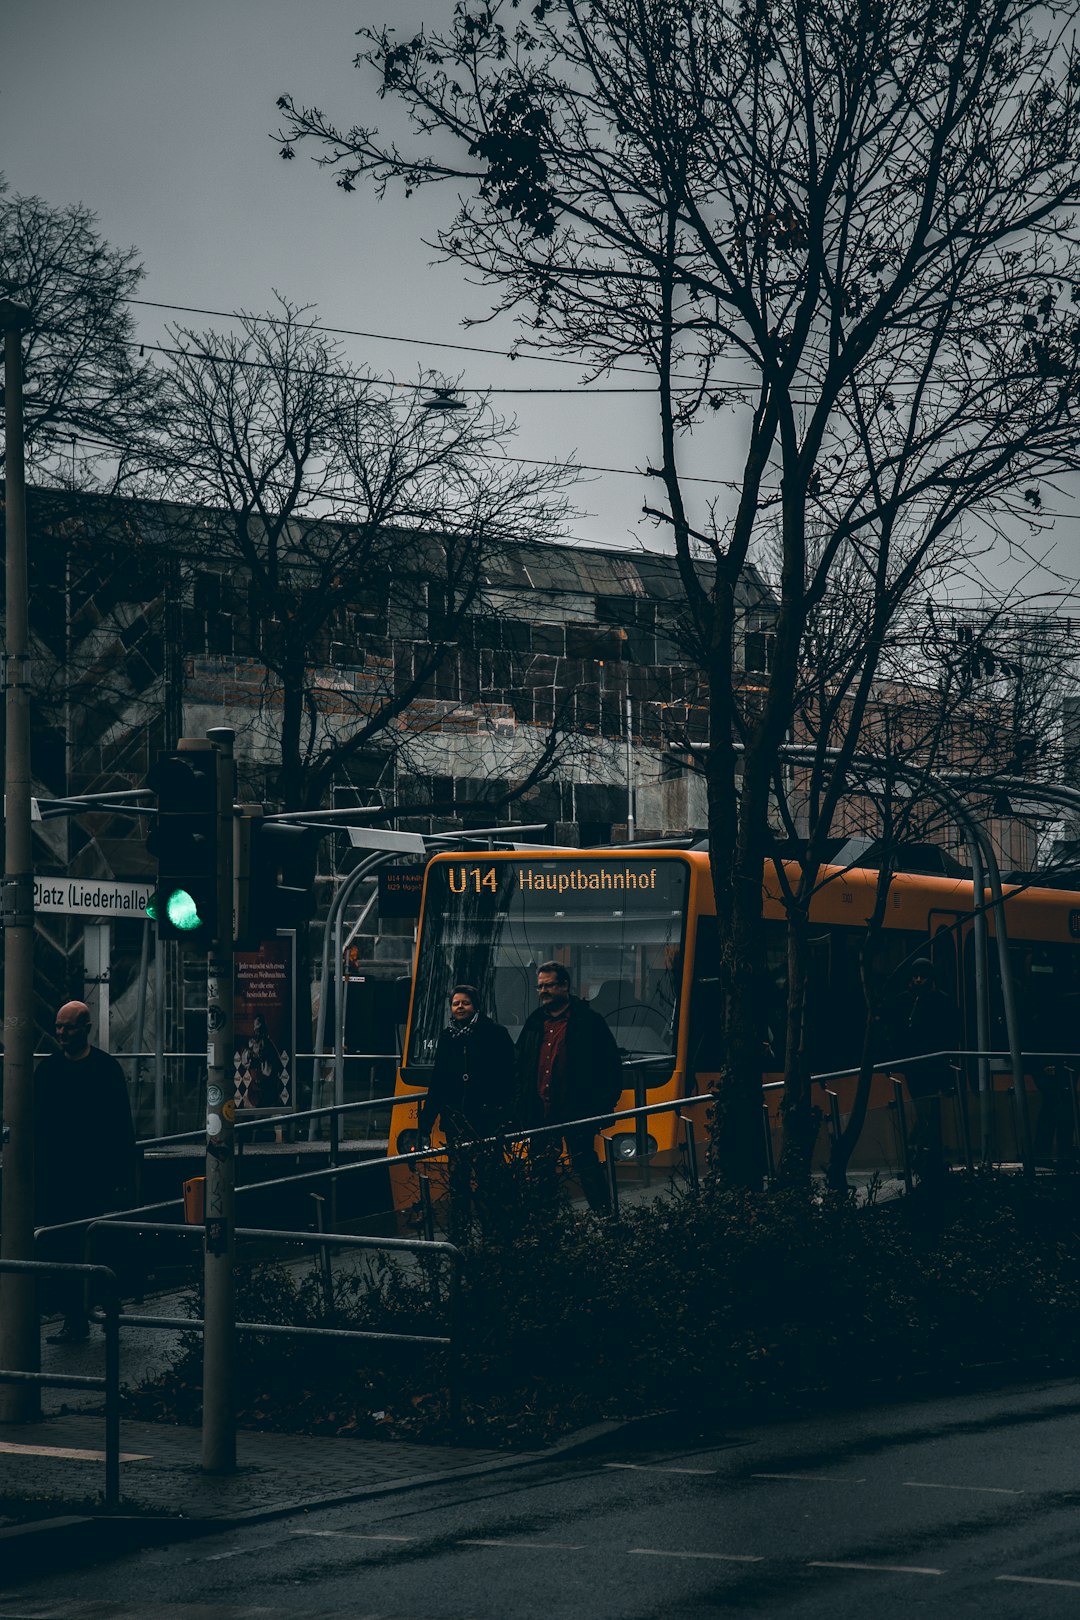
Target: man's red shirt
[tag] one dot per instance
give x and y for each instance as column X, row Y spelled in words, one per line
column 551, row 1068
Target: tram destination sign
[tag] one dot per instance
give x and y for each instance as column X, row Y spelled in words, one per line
column 88, row 897
column 400, row 889
column 544, row 881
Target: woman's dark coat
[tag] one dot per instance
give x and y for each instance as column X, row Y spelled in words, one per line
column 471, row 1089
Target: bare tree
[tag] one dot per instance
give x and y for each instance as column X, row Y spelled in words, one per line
column 960, row 698
column 88, row 396
column 854, row 228
column 330, row 508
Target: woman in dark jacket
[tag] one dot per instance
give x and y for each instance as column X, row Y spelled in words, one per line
column 470, row 1093
column 471, row 1088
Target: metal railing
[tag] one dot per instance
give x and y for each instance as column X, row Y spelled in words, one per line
column 602, row 1122
column 959, row 1091
column 435, row 1249
column 270, row 1121
column 109, row 1384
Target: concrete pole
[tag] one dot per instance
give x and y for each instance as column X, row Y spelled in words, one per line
column 631, row 795
column 159, row 1036
column 219, row 1308
column 20, row 1345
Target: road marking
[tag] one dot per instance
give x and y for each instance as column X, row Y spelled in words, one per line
column 887, row 1569
column 814, row 1479
column 236, row 1552
column 986, row 1490
column 350, row 1535
column 721, row 1558
column 655, row 1468
column 1034, row 1580
column 531, row 1546
column 68, row 1453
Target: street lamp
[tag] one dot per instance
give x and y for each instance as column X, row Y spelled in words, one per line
column 444, row 401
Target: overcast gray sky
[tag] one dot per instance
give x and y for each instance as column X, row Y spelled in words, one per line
column 157, row 115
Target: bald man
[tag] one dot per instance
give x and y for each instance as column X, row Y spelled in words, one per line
column 84, row 1145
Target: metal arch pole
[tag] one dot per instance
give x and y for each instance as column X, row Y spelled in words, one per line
column 365, row 868
column 944, row 790
column 985, row 873
column 1008, row 998
column 339, row 900
column 334, row 921
column 990, row 877
column 982, row 1006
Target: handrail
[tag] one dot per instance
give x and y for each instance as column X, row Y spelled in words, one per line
column 274, row 1119
column 109, row 1383
column 885, row 1067
column 603, row 1121
column 362, row 1057
column 440, row 1249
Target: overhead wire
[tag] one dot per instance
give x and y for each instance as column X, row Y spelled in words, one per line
column 387, row 337
column 344, row 376
column 687, row 384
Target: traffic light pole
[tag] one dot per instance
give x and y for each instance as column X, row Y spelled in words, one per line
column 219, row 1310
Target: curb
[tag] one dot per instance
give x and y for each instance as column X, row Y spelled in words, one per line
column 75, row 1541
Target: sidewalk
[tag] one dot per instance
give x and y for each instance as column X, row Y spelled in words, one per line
column 57, row 1465
column 62, row 1458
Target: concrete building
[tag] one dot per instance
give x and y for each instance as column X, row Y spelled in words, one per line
column 555, row 703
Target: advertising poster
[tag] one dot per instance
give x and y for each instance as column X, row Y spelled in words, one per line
column 264, row 1072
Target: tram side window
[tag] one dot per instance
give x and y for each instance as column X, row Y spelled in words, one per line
column 1046, row 978
column 837, row 1009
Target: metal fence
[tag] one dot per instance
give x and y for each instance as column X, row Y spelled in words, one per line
column 109, row 1384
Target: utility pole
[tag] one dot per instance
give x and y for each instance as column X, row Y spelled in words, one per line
column 20, row 1345
column 631, row 794
column 219, row 1300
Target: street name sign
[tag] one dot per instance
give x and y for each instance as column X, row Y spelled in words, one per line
column 90, row 897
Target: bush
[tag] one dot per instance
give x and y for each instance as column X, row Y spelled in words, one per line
column 725, row 1305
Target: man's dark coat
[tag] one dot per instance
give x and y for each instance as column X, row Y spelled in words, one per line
column 592, row 1071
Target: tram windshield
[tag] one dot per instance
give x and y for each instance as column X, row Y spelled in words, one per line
column 617, row 925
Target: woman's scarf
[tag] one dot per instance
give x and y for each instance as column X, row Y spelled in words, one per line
column 457, row 1031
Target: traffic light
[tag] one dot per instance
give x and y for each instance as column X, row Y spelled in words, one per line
column 186, row 904
column 275, row 864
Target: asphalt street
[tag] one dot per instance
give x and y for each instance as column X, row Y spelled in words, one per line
column 962, row 1506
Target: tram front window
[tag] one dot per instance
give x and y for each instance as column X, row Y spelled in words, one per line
column 618, row 925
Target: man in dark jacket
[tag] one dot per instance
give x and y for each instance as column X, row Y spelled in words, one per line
column 84, row 1144
column 568, row 1067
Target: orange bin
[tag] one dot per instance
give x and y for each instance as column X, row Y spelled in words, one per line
column 195, row 1201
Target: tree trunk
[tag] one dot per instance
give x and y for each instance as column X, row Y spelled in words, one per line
column 801, row 1119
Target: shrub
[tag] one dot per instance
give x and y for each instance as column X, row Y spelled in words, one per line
column 722, row 1306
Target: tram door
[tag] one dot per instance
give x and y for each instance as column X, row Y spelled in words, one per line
column 945, row 929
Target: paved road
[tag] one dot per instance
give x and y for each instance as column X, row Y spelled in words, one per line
column 960, row 1507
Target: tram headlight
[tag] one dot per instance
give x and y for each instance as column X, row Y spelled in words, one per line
column 626, row 1145
column 408, row 1141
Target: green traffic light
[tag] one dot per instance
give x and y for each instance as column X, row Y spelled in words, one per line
column 182, row 912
